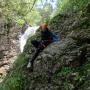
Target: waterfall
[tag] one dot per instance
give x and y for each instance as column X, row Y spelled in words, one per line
column 30, row 31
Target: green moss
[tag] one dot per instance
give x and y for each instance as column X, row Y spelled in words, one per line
column 64, row 71
column 16, row 78
column 79, row 79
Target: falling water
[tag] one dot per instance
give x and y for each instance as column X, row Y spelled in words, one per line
column 30, row 31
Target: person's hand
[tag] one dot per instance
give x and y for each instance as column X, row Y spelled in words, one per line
column 41, row 45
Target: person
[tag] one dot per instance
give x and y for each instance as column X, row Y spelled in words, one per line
column 46, row 39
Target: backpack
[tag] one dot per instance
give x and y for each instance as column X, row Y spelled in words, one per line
column 56, row 38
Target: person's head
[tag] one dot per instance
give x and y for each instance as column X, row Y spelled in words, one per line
column 44, row 27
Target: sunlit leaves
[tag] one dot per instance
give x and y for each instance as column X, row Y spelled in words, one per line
column 71, row 5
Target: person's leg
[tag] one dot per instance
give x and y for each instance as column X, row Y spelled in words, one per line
column 40, row 49
column 31, row 62
column 34, row 57
column 35, row 43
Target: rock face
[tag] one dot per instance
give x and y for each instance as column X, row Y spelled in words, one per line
column 8, row 47
column 63, row 65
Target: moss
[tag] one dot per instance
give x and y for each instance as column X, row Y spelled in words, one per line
column 77, row 76
column 16, row 78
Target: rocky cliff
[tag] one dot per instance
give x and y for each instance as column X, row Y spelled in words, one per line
column 64, row 65
column 9, row 45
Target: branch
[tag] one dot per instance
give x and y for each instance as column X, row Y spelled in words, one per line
column 33, row 5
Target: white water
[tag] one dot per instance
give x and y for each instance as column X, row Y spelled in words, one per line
column 30, row 31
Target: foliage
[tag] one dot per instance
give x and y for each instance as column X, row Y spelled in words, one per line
column 65, row 6
column 80, row 77
column 17, row 10
column 20, row 22
column 45, row 11
column 14, row 80
column 21, row 11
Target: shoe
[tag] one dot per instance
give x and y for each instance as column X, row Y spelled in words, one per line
column 29, row 65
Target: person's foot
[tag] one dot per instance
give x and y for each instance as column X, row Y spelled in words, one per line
column 29, row 67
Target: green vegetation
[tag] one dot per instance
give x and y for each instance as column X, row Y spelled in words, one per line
column 65, row 6
column 19, row 10
column 78, row 74
column 22, row 11
column 16, row 77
